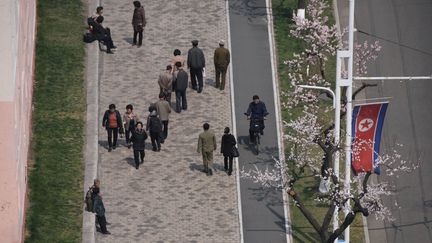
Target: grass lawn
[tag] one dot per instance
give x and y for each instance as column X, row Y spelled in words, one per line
column 56, row 171
column 307, row 186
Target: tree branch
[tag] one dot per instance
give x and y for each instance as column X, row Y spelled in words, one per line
column 308, row 215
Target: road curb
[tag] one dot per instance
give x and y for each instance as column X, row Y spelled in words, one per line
column 91, row 128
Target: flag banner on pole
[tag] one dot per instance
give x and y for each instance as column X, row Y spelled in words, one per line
column 367, row 125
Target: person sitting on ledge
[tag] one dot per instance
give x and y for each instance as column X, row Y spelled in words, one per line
column 103, row 34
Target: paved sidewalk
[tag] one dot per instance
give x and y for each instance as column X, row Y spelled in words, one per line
column 168, row 199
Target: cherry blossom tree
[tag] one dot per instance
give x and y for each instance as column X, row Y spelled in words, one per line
column 309, row 133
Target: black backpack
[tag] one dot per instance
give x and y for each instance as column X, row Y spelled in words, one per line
column 155, row 124
column 89, row 200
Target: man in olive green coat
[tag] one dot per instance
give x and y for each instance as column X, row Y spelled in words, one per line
column 206, row 146
column 221, row 62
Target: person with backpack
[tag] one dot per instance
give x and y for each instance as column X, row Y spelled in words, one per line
column 180, row 85
column 89, row 199
column 138, row 139
column 129, row 119
column 154, row 125
column 99, row 210
column 112, row 122
column 227, row 146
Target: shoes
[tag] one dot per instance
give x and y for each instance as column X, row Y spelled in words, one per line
column 136, row 167
column 110, row 52
column 154, row 149
column 138, row 46
column 106, row 233
column 114, row 47
column 210, row 172
column 142, row 162
column 199, row 90
column 229, row 173
column 159, row 149
column 110, row 149
column 114, row 147
column 129, row 146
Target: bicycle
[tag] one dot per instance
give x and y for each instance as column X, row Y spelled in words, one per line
column 255, row 128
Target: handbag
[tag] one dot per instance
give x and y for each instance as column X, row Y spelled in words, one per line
column 235, row 152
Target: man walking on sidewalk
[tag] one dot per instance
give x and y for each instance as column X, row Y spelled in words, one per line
column 154, row 125
column 180, row 86
column 112, row 122
column 206, row 146
column 165, row 83
column 99, row 209
column 196, row 64
column 163, row 109
column 221, row 62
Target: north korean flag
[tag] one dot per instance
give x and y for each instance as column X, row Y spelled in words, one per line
column 367, row 125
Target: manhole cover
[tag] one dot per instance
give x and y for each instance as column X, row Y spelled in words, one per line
column 428, row 203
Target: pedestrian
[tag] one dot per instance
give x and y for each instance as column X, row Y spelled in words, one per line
column 112, row 122
column 177, row 58
column 206, row 146
column 180, row 85
column 227, row 145
column 221, row 62
column 196, row 64
column 138, row 139
column 154, row 126
column 165, row 83
column 138, row 23
column 99, row 209
column 103, row 34
column 129, row 119
column 89, row 198
column 163, row 109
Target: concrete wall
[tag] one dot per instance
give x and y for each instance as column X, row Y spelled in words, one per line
column 17, row 43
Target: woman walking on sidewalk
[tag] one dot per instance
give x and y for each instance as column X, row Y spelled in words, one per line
column 138, row 23
column 227, row 146
column 138, row 139
column 129, row 119
column 112, row 122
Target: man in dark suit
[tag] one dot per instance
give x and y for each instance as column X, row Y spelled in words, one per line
column 180, row 85
column 103, row 34
column 196, row 64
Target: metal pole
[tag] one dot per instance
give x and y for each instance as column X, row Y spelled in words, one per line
column 392, row 78
column 321, row 88
column 349, row 113
column 337, row 130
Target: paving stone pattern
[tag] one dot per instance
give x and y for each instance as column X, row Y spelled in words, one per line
column 168, row 199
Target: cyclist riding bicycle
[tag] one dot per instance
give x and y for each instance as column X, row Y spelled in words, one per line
column 256, row 112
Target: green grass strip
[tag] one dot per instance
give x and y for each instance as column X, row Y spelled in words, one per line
column 56, row 171
column 307, row 186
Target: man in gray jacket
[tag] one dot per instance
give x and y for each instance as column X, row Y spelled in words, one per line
column 196, row 63
column 180, row 86
column 163, row 109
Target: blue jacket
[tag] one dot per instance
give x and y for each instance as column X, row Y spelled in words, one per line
column 257, row 110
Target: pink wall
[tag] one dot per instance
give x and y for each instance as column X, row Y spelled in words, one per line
column 16, row 124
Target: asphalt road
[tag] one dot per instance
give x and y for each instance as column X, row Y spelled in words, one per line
column 263, row 214
column 403, row 28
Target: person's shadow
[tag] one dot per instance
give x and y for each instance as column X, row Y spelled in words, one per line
column 129, row 40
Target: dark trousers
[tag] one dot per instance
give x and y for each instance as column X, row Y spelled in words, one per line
column 102, row 223
column 112, row 131
column 196, row 74
column 252, row 129
column 139, row 156
column 220, row 74
column 108, row 40
column 140, row 37
column 127, row 135
column 165, row 130
column 227, row 166
column 181, row 102
column 167, row 95
column 155, row 140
